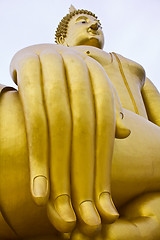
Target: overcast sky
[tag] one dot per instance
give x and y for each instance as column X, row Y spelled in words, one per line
column 131, row 28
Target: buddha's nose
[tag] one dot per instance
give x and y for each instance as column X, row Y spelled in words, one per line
column 94, row 26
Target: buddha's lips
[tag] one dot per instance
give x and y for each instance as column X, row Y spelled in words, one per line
column 93, row 32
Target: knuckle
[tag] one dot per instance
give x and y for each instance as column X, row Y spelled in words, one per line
column 28, row 60
column 50, row 55
column 73, row 59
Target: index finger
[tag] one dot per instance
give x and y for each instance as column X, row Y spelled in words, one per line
column 28, row 73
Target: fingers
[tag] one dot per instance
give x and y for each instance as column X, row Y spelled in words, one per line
column 58, row 104
column 29, row 83
column 83, row 137
column 105, row 134
column 59, row 208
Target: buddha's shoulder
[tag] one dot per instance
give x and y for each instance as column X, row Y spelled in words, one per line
column 107, row 60
column 132, row 66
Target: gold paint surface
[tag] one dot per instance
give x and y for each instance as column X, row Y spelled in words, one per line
column 79, row 142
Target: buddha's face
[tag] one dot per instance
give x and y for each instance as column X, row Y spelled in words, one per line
column 84, row 29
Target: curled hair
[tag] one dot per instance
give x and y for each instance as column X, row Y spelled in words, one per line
column 63, row 25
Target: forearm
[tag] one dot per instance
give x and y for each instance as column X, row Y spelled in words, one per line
column 151, row 98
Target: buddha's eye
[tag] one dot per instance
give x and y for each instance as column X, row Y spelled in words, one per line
column 84, row 21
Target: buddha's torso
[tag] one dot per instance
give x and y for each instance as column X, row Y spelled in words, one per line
column 128, row 77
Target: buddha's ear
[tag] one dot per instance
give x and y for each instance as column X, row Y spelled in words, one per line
column 61, row 40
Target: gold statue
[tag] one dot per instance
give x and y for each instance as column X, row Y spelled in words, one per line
column 79, row 114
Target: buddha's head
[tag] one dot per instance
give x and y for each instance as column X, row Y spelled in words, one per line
column 80, row 27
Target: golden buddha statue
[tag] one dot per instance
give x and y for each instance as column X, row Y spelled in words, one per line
column 79, row 141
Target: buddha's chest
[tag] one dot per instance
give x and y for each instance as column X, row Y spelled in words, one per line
column 128, row 79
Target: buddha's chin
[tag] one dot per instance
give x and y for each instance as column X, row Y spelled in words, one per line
column 93, row 42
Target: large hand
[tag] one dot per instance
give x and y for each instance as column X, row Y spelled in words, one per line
column 140, row 219
column 69, row 112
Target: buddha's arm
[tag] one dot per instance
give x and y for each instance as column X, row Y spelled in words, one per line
column 5, row 230
column 151, row 98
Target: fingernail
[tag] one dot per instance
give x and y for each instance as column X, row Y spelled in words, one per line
column 108, row 210
column 64, row 208
column 40, row 186
column 90, row 217
column 61, row 214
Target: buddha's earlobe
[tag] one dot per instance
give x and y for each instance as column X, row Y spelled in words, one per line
column 62, row 41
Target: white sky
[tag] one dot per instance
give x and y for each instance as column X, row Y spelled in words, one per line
column 131, row 28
